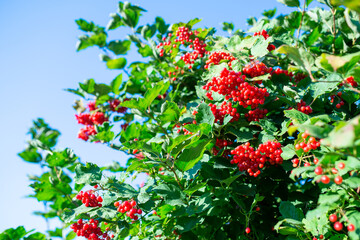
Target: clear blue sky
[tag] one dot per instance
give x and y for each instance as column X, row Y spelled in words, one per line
column 38, row 60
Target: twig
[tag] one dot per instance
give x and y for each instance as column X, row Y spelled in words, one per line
column 301, row 21
column 333, row 11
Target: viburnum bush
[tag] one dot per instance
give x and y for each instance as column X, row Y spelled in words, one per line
column 252, row 136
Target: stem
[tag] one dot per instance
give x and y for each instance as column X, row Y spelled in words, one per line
column 333, row 11
column 301, row 21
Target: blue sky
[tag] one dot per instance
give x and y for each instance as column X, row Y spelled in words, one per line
column 38, row 60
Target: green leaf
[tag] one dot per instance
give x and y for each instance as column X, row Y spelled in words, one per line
column 191, row 155
column 352, row 4
column 119, row 47
column 85, row 41
column 229, row 27
column 205, row 114
column 90, row 173
column 288, row 152
column 84, row 25
column 169, row 112
column 299, row 55
column 269, row 13
column 31, row 155
column 313, row 36
column 288, row 210
column 61, row 159
column 161, row 25
column 290, row 3
column 340, row 64
column 116, row 83
column 36, row 236
column 88, row 86
column 118, row 63
column 326, row 86
column 13, row 234
column 115, row 22
column 352, row 182
column 296, row 116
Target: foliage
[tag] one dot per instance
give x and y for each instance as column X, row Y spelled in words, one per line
column 252, row 136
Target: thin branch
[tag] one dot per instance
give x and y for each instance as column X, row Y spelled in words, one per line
column 301, row 21
column 333, row 11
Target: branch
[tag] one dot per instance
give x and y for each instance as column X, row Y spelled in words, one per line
column 301, row 21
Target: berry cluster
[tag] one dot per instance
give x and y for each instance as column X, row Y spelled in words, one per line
column 97, row 118
column 310, row 144
column 302, row 107
column 251, row 160
column 279, row 71
column 129, row 208
column 232, row 85
column 256, row 69
column 325, row 179
column 89, row 199
column 226, row 108
column 92, row 106
column 181, row 128
column 350, row 80
column 341, row 103
column 299, row 76
column 114, row 106
column 338, row 226
column 216, row 57
column 220, row 144
column 255, row 115
column 264, row 33
column 87, row 131
column 186, row 37
column 90, row 230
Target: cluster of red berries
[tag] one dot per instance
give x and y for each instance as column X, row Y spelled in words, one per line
column 232, row 85
column 216, row 57
column 341, row 103
column 302, row 107
column 129, row 208
column 226, row 108
column 325, row 179
column 181, row 127
column 250, row 160
column 90, row 230
column 299, row 76
column 114, row 106
column 279, row 71
column 89, row 199
column 92, row 106
column 256, row 69
column 310, row 144
column 255, row 115
column 186, row 37
column 264, row 33
column 350, row 80
column 96, row 118
column 87, row 131
column 219, row 144
column 338, row 226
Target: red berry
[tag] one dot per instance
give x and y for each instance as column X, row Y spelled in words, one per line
column 325, row 179
column 334, row 170
column 318, row 170
column 333, row 218
column 341, row 165
column 338, row 106
column 338, row 226
column 351, row 227
column 247, row 230
column 316, row 160
column 321, row 236
column 338, row 179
